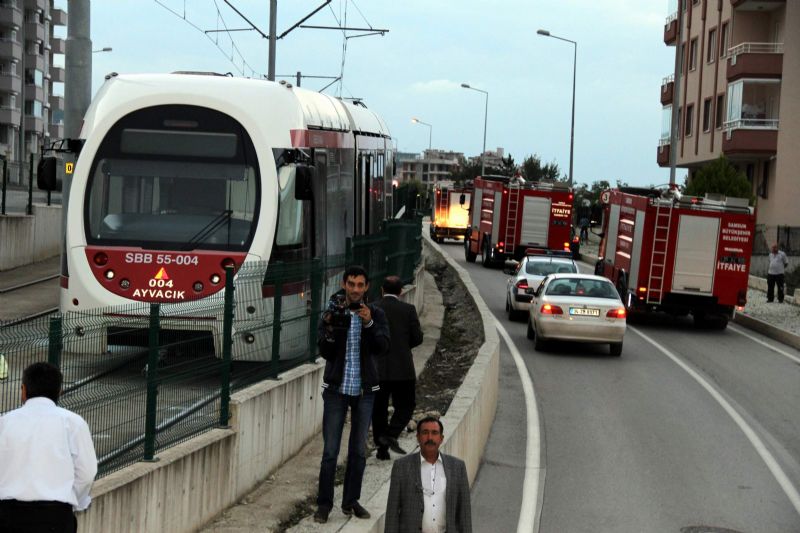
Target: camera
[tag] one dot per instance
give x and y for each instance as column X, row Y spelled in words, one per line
column 339, row 316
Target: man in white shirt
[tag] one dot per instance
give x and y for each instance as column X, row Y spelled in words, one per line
column 775, row 274
column 48, row 459
column 429, row 492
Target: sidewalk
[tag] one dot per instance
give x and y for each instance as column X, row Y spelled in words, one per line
column 295, row 483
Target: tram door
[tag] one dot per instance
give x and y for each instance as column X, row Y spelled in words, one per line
column 363, row 180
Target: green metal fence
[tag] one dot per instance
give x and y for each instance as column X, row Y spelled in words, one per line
column 149, row 376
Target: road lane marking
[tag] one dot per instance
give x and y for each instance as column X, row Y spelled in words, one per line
column 533, row 449
column 768, row 345
column 758, row 444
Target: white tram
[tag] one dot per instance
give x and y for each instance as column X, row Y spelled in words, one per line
column 182, row 174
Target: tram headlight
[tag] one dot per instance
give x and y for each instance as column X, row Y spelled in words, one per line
column 109, row 274
column 198, row 286
column 100, row 259
column 215, row 279
column 125, row 284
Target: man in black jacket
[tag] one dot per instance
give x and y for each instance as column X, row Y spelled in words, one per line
column 396, row 370
column 351, row 335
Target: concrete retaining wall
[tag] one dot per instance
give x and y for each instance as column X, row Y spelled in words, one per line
column 471, row 413
column 194, row 481
column 25, row 239
column 760, row 284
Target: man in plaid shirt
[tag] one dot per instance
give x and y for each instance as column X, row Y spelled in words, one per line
column 351, row 335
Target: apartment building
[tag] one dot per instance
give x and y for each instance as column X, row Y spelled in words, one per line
column 429, row 167
column 31, row 85
column 739, row 95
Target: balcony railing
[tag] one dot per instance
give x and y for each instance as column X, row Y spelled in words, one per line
column 667, row 79
column 663, row 141
column 754, row 48
column 670, row 18
column 751, row 124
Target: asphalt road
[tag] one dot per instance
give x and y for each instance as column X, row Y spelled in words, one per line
column 688, row 429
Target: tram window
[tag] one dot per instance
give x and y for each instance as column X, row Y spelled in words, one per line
column 178, row 143
column 290, row 210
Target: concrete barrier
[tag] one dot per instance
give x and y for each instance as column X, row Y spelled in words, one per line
column 192, row 482
column 471, row 413
column 768, row 330
column 29, row 238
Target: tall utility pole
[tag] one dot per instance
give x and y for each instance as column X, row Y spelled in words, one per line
column 78, row 67
column 676, row 99
column 273, row 30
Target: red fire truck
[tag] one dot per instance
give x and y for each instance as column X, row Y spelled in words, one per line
column 510, row 215
column 678, row 254
column 449, row 216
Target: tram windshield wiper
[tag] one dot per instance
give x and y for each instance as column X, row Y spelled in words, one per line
column 209, row 229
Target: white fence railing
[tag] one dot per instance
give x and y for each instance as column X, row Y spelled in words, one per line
column 749, row 124
column 667, row 79
column 670, row 18
column 754, row 48
column 663, row 141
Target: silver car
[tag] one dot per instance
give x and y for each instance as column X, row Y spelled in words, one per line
column 578, row 308
column 526, row 275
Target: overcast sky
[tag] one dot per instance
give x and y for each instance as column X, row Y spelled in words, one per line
column 416, row 69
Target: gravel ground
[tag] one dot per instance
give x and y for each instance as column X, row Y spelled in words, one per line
column 785, row 316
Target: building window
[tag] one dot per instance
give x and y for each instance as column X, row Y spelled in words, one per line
column 34, row 77
column 720, row 110
column 681, row 59
column 723, row 40
column 689, row 119
column 33, row 108
column 762, row 187
column 712, row 45
column 707, row 114
column 693, row 54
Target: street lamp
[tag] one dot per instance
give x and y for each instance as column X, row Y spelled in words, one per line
column 105, row 49
column 430, row 129
column 485, row 117
column 546, row 33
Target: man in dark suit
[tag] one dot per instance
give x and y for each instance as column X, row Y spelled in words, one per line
column 429, row 492
column 396, row 370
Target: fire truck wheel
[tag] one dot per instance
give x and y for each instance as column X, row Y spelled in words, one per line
column 615, row 349
column 485, row 255
column 469, row 255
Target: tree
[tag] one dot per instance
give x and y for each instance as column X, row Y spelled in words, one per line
column 720, row 177
column 464, row 171
column 507, row 166
column 533, row 170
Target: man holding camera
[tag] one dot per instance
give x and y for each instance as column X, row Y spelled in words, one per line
column 351, row 335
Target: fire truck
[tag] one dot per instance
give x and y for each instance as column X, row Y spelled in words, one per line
column 680, row 254
column 508, row 216
column 449, row 216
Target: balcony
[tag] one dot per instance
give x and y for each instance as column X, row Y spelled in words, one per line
column 10, row 83
column 671, row 29
column 755, row 60
column 750, row 137
column 662, row 156
column 33, row 92
column 58, row 46
column 34, row 31
column 10, row 16
column 34, row 61
column 667, row 89
column 9, row 115
column 59, row 17
column 36, row 4
column 56, row 102
column 33, row 123
column 57, row 74
column 760, row 5
column 10, row 49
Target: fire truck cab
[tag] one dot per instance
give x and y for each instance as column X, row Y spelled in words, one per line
column 450, row 213
column 509, row 215
column 678, row 254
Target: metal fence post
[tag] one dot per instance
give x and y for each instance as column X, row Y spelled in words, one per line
column 29, row 210
column 152, row 385
column 227, row 343
column 316, row 293
column 56, row 341
column 5, row 186
column 276, row 319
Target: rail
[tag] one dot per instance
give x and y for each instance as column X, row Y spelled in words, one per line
column 666, row 80
column 663, row 141
column 145, row 379
column 754, row 48
column 750, row 124
column 670, row 18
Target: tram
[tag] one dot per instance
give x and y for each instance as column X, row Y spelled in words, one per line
column 180, row 175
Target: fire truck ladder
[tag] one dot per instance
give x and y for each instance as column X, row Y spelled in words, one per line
column 658, row 257
column 513, row 211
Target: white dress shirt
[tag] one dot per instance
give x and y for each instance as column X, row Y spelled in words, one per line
column 434, row 483
column 46, row 454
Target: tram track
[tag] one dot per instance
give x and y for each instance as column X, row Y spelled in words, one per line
column 31, row 283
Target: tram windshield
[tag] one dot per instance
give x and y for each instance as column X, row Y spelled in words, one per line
column 174, row 177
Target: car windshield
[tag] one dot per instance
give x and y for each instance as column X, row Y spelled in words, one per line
column 590, row 288
column 545, row 268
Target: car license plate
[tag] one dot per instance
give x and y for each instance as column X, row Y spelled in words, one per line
column 578, row 311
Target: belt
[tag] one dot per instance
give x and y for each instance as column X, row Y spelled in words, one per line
column 17, row 504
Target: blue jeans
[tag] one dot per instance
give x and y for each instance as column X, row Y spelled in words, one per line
column 334, row 412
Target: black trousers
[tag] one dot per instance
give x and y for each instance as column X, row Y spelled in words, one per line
column 36, row 517
column 402, row 394
column 772, row 281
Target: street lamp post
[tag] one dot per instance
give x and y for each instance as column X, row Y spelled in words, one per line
column 430, row 129
column 485, row 118
column 574, row 72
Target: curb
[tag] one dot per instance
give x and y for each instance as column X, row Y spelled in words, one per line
column 775, row 333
